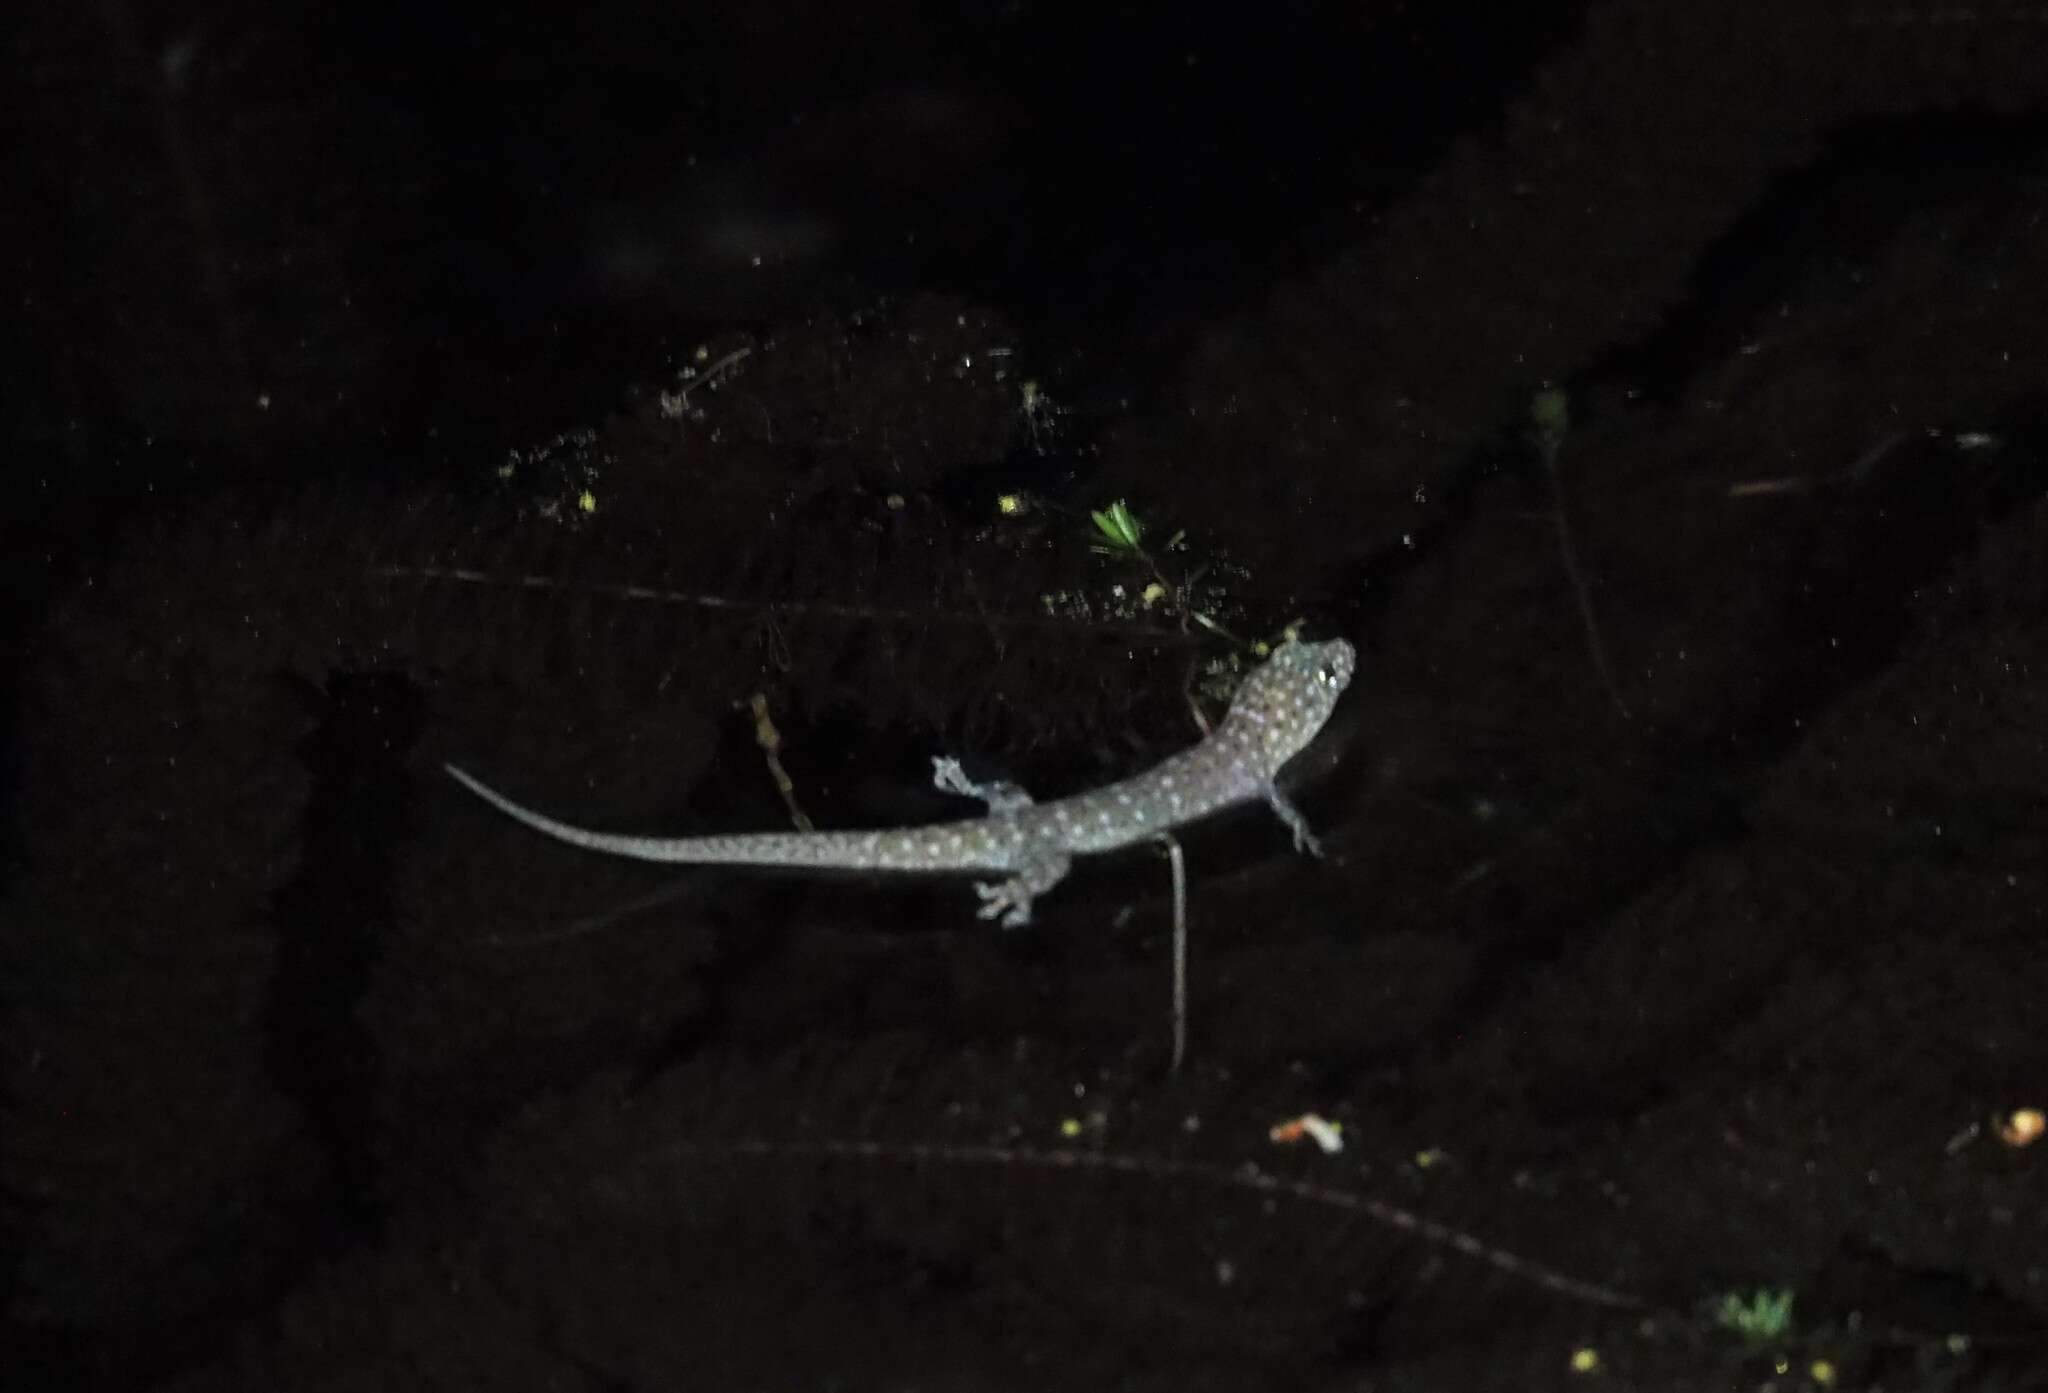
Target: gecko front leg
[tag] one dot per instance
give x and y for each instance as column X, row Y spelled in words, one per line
column 1000, row 795
column 1304, row 840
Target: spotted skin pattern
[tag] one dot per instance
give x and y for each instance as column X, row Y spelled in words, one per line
column 1277, row 711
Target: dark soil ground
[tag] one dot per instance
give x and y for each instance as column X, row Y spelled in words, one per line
column 1656, row 395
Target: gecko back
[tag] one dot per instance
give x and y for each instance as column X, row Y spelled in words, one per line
column 1283, row 703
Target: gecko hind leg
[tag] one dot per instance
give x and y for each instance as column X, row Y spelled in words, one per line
column 1010, row 900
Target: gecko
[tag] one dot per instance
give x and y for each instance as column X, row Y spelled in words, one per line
column 1276, row 711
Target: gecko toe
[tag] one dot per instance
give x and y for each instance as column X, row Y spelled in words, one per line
column 1000, row 901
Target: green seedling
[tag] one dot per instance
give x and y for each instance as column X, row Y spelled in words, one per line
column 1759, row 1317
column 1117, row 523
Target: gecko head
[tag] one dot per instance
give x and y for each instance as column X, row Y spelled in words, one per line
column 1282, row 705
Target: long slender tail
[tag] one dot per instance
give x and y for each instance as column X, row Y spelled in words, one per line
column 895, row 850
column 671, row 849
column 961, row 846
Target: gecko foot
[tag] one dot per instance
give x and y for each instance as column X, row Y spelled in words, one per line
column 1304, row 840
column 996, row 901
column 1010, row 900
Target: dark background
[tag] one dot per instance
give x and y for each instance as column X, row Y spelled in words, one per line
column 1682, row 933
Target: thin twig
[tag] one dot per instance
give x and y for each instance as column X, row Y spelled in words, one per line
column 1549, row 422
column 1246, row 1176
column 1571, row 569
column 736, row 605
column 770, row 740
column 1180, row 949
column 677, row 402
column 589, row 924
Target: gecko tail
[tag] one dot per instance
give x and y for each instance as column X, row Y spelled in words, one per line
column 498, row 800
column 640, row 848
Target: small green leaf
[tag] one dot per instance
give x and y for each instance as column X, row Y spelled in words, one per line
column 1765, row 1314
column 1116, row 523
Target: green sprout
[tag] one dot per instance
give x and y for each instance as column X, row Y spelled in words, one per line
column 1117, row 524
column 1761, row 1316
column 1121, row 534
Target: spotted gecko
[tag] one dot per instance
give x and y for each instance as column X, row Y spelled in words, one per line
column 1276, row 712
